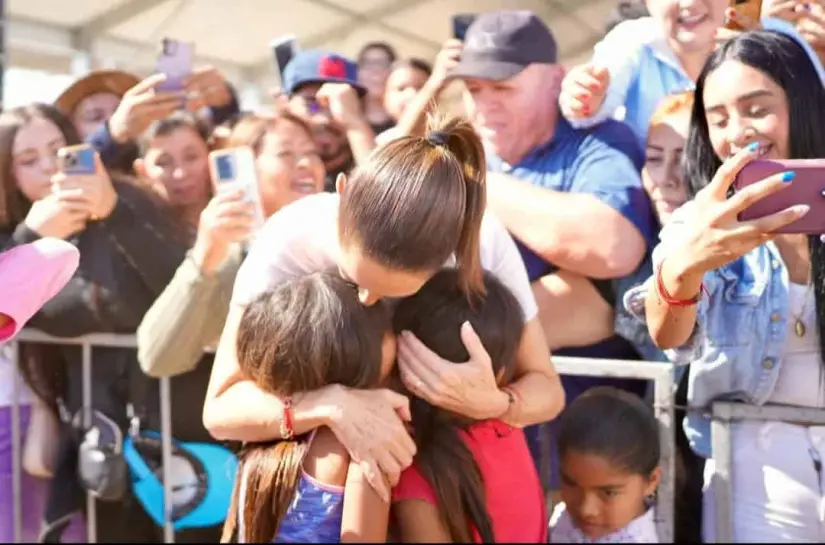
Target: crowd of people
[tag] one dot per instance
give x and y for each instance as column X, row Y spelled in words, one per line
column 384, row 337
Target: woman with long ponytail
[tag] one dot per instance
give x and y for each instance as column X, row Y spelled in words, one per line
column 415, row 206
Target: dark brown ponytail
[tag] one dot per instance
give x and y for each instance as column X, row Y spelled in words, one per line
column 446, row 462
column 435, row 315
column 418, row 201
column 464, row 144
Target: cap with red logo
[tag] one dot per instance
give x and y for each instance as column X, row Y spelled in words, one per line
column 318, row 66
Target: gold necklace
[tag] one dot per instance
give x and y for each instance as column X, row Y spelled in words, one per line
column 799, row 327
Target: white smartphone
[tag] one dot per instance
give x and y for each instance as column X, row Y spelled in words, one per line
column 234, row 168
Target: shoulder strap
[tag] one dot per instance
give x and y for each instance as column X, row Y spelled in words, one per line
column 137, row 406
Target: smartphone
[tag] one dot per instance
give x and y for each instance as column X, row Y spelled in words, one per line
column 283, row 50
column 77, row 159
column 461, row 22
column 748, row 8
column 234, row 168
column 175, row 61
column 807, row 188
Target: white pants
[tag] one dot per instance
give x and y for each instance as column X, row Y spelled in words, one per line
column 776, row 489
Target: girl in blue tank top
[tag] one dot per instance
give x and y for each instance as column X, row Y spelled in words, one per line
column 299, row 337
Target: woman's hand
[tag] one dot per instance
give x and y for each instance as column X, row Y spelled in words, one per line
column 142, row 105
column 713, row 235
column 343, row 104
column 811, row 25
column 742, row 23
column 789, row 10
column 60, row 214
column 467, row 388
column 583, row 90
column 370, row 424
column 99, row 195
column 227, row 219
column 206, row 87
column 445, row 61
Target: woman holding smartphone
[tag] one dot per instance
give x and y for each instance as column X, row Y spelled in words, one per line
column 191, row 312
column 127, row 256
column 740, row 303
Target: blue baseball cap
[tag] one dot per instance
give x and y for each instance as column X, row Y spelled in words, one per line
column 203, row 476
column 319, row 66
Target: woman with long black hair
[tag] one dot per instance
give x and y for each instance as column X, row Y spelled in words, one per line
column 742, row 304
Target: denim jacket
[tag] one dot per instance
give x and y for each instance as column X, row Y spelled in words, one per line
column 736, row 349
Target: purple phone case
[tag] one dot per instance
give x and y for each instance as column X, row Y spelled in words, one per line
column 176, row 66
column 808, row 187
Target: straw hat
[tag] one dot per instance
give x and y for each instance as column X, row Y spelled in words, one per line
column 99, row 81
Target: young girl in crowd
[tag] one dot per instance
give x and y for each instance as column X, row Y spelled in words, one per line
column 470, row 480
column 642, row 61
column 303, row 335
column 608, row 444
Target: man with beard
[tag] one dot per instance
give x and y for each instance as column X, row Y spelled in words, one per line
column 323, row 89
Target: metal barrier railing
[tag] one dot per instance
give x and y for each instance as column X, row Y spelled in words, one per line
column 86, row 343
column 724, row 414
column 661, row 374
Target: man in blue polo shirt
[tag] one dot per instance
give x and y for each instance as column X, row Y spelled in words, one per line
column 572, row 199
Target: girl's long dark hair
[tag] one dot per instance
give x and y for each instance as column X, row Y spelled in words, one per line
column 784, row 61
column 435, row 315
column 299, row 337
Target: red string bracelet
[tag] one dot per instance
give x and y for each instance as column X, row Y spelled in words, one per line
column 672, row 301
column 287, row 427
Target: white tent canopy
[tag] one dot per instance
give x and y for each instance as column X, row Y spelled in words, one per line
column 71, row 37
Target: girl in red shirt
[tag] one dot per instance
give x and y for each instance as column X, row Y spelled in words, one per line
column 470, row 481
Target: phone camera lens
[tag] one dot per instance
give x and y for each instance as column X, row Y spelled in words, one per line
column 71, row 160
column 169, row 47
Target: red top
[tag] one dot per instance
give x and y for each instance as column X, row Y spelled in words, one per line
column 515, row 500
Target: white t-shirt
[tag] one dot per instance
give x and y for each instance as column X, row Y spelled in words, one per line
column 302, row 238
column 11, row 382
column 640, row 530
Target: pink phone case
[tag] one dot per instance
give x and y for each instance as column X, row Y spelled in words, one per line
column 808, row 187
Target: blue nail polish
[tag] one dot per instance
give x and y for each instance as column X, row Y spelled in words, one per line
column 788, row 176
column 753, row 146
